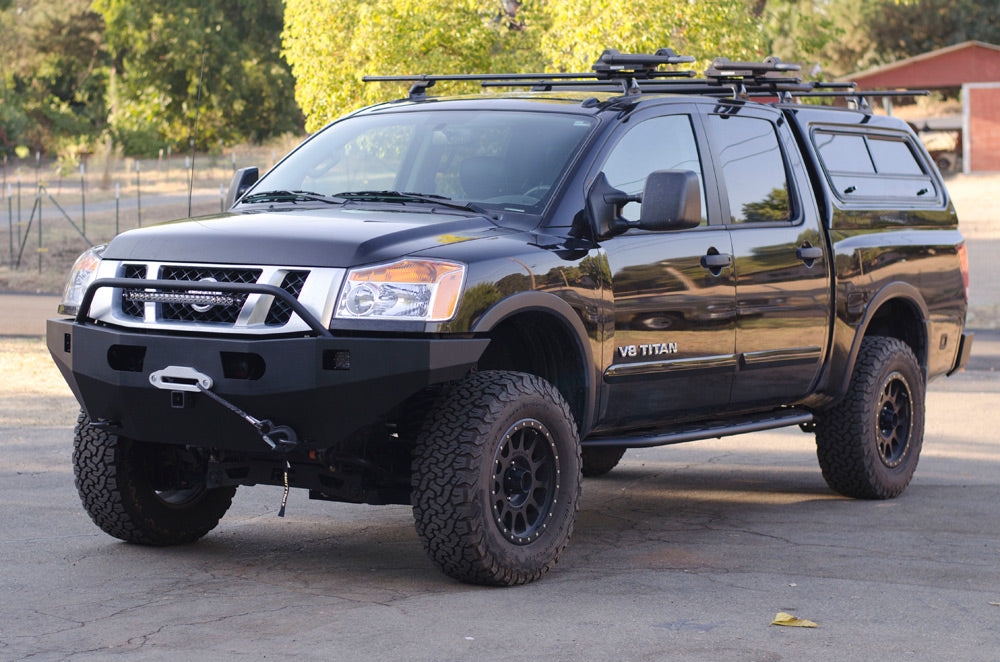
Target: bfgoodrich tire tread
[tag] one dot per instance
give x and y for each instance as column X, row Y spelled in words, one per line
column 846, row 434
column 116, row 495
column 452, row 466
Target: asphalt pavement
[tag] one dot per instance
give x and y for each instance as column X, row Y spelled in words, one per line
column 685, row 552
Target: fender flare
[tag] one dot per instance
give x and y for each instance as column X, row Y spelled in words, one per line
column 565, row 314
column 896, row 290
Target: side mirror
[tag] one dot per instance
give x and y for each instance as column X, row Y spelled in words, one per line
column 604, row 206
column 671, row 200
column 243, row 179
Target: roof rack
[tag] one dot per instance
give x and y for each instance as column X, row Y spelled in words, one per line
column 860, row 97
column 635, row 74
column 621, row 68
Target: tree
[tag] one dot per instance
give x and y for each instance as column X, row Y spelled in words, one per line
column 331, row 44
column 799, row 31
column 579, row 30
column 157, row 50
column 843, row 36
column 903, row 29
column 53, row 74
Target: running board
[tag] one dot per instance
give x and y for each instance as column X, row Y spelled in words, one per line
column 769, row 421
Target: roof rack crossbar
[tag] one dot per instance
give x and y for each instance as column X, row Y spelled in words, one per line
column 405, row 78
column 866, row 93
column 639, row 73
column 623, row 68
column 583, row 82
column 831, row 85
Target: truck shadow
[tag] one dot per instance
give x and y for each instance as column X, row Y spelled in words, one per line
column 686, row 519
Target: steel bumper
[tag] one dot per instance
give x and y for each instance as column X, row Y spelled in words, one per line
column 326, row 388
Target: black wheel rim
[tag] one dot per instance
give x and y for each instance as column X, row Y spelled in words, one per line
column 180, row 497
column 525, row 481
column 175, row 475
column 895, row 420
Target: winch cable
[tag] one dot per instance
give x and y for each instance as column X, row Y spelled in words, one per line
column 279, row 437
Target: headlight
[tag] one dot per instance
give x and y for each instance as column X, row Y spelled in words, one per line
column 80, row 277
column 424, row 290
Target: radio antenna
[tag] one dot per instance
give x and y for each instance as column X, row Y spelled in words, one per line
column 194, row 138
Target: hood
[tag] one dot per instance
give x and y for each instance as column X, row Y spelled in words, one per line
column 315, row 237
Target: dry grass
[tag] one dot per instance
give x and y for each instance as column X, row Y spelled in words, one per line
column 32, row 392
column 114, row 202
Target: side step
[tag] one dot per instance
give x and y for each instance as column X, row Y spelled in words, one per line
column 716, row 429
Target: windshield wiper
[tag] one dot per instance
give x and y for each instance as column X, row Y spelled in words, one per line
column 404, row 197
column 291, row 196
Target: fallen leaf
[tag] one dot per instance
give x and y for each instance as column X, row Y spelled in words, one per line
column 788, row 620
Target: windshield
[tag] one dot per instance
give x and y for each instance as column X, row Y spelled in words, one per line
column 498, row 159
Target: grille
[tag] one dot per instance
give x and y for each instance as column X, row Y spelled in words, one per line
column 201, row 302
column 280, row 311
column 222, row 314
column 132, row 308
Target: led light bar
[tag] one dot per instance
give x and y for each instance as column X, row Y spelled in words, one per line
column 185, row 298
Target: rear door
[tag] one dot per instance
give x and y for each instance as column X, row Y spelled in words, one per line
column 781, row 259
column 672, row 349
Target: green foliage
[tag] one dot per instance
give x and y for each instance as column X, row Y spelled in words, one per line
column 799, row 31
column 908, row 28
column 75, row 71
column 580, row 29
column 53, row 73
column 844, row 36
column 157, row 51
column 331, row 44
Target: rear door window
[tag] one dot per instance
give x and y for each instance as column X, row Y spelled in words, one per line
column 753, row 169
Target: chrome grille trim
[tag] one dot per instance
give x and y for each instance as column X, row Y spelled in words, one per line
column 250, row 314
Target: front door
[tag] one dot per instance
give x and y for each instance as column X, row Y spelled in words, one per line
column 672, row 348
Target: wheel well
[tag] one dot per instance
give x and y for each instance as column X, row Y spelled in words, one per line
column 539, row 344
column 897, row 318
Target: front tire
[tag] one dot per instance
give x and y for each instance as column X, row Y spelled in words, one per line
column 868, row 445
column 150, row 494
column 496, row 479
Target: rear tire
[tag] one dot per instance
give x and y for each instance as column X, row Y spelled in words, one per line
column 496, row 479
column 150, row 494
column 868, row 445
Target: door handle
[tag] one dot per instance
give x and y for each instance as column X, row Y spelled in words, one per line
column 809, row 253
column 716, row 261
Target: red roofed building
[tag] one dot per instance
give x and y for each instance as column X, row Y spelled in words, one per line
column 973, row 67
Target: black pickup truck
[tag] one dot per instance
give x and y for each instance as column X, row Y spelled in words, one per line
column 468, row 303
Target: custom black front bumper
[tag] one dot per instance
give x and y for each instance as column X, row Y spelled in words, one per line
column 326, row 388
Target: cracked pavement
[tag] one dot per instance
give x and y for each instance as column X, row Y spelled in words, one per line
column 684, row 552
